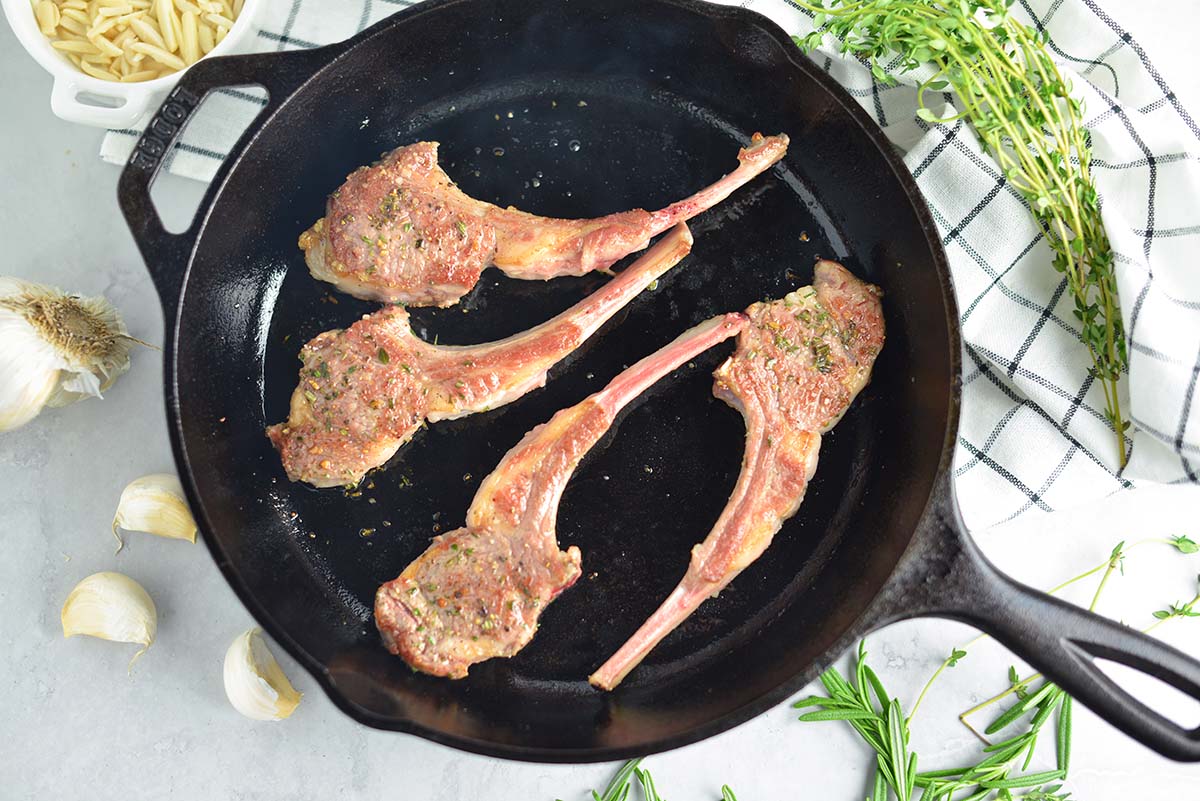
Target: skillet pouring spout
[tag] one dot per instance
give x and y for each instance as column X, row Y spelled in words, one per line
column 944, row 574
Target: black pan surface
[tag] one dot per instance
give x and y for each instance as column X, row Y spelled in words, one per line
column 569, row 112
column 565, row 109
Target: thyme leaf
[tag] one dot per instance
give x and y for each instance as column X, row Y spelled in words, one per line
column 1009, row 89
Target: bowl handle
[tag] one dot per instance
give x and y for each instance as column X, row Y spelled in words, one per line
column 66, row 104
column 943, row 574
column 166, row 254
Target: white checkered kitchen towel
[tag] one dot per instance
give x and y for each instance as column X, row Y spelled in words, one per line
column 1033, row 432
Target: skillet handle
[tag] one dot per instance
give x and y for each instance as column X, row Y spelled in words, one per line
column 945, row 575
column 166, row 254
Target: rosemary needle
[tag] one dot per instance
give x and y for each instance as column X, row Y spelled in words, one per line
column 619, row 789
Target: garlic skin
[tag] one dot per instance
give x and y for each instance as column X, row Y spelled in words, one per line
column 113, row 607
column 154, row 504
column 55, row 349
column 254, row 682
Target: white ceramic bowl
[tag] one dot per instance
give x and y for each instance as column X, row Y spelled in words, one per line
column 78, row 97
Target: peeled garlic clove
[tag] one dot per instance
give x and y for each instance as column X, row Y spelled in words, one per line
column 254, row 682
column 155, row 504
column 55, row 349
column 113, row 607
column 27, row 387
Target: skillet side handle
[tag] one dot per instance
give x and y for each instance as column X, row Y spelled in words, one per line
column 165, row 253
column 945, row 575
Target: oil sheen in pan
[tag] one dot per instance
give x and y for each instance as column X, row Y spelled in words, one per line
column 640, row 481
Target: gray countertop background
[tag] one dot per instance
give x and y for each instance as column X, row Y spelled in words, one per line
column 74, row 724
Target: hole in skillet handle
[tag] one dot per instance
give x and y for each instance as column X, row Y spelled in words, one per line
column 943, row 574
column 165, row 253
column 220, row 119
column 1171, row 703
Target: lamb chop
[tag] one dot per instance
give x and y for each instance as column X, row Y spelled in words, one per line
column 401, row 231
column 797, row 367
column 364, row 391
column 477, row 592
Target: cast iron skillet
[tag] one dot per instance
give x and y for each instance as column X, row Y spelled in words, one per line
column 597, row 106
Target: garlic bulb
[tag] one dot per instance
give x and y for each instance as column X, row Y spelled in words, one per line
column 113, row 607
column 154, row 504
column 254, row 682
column 55, row 349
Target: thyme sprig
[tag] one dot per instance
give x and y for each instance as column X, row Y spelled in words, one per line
column 1011, row 91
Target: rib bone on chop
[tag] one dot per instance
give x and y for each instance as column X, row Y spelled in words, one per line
column 364, row 391
column 477, row 592
column 401, row 231
column 797, row 367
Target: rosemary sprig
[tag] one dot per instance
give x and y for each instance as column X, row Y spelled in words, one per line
column 1010, row 90
column 877, row 718
column 618, row 788
column 623, row 782
column 865, row 704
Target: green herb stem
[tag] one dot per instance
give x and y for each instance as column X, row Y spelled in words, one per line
column 924, row 690
column 1009, row 88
